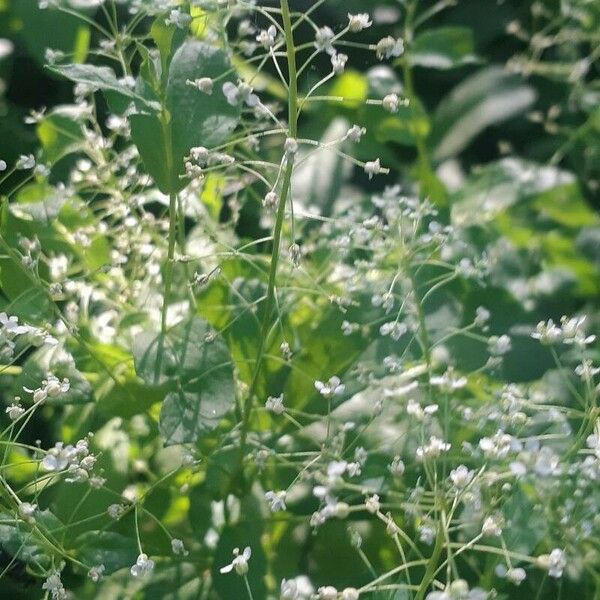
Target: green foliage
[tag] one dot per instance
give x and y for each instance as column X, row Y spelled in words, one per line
column 299, row 300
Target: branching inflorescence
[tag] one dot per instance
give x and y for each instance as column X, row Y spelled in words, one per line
column 246, row 349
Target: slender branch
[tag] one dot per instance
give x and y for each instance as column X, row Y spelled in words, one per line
column 285, row 192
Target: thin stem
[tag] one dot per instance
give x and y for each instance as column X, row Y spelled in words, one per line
column 285, row 192
column 170, row 257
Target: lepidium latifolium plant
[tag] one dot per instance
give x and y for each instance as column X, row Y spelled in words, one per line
column 255, row 345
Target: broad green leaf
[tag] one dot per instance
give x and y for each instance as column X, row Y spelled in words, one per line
column 246, row 532
column 405, row 126
column 59, row 133
column 40, row 29
column 319, row 178
column 191, row 119
column 443, row 48
column 196, row 118
column 25, row 543
column 186, row 416
column 107, row 548
column 500, row 185
column 148, row 134
column 488, row 97
column 49, row 359
column 167, row 39
column 101, row 78
column 38, row 202
column 198, row 370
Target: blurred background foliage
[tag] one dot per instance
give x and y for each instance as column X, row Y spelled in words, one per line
column 491, row 77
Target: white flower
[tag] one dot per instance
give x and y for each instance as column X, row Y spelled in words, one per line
column 95, row 573
column 276, row 500
column 338, row 62
column 516, row 575
column 491, row 526
column 14, row 411
column 2, row 165
column 115, row 511
column 433, row 449
column 554, row 563
column 323, row 40
column 200, row 155
column 179, row 19
column 177, row 547
column 461, row 476
column 271, row 200
column 372, row 168
column 26, row 511
column 54, row 387
column 389, row 47
column 396, row 467
column 547, row 332
column 355, row 133
column 239, row 563
column 11, row 326
column 204, row 84
column 426, row 533
column 350, row 593
column 573, row 333
column 372, row 504
column 51, row 387
column 143, row 566
column 394, row 329
column 275, row 404
column 391, row 103
column 25, row 162
column 59, row 457
column 499, row 345
column 327, row 592
column 240, row 94
column 54, row 586
column 448, row 381
column 267, row 37
column 438, row 596
column 357, row 23
column 333, row 387
column 288, row 590
column 482, row 316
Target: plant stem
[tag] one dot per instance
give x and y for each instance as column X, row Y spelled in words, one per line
column 430, row 186
column 285, row 191
column 432, row 564
column 170, row 256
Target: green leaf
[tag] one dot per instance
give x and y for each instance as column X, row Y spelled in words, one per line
column 198, row 371
column 193, row 118
column 167, row 39
column 107, row 548
column 408, row 124
column 443, row 48
column 102, row 78
column 59, row 133
column 40, row 29
column 246, row 532
column 24, row 543
column 488, row 97
column 319, row 178
column 148, row 135
column 49, row 359
column 38, row 202
column 186, row 416
column 502, row 184
column 196, row 118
